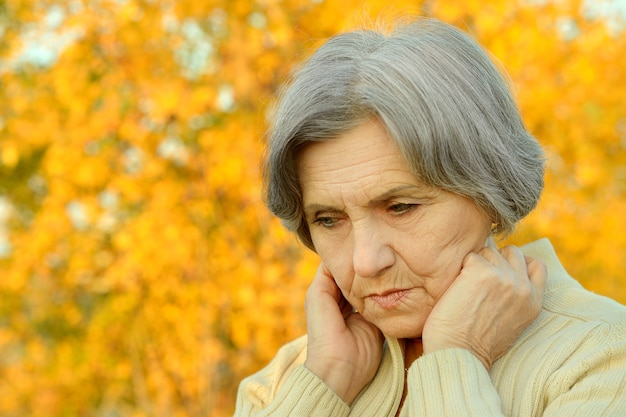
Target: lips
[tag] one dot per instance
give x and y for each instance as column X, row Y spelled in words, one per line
column 389, row 299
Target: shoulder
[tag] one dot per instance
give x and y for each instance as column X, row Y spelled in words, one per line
column 564, row 296
column 571, row 314
column 285, row 387
column 263, row 385
column 578, row 340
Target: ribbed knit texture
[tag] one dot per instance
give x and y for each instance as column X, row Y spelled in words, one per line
column 571, row 362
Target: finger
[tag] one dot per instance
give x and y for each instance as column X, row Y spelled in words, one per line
column 322, row 305
column 488, row 252
column 476, row 258
column 329, row 285
column 324, row 282
column 537, row 272
column 514, row 257
column 345, row 306
column 493, row 256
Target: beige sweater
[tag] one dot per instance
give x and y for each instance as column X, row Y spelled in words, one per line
column 571, row 362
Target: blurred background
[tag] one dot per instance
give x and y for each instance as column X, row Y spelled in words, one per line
column 140, row 272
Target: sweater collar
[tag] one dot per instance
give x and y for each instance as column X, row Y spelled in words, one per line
column 557, row 275
column 381, row 397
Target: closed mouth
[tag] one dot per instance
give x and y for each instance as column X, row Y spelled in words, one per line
column 389, row 299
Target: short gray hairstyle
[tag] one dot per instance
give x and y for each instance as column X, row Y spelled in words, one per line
column 440, row 97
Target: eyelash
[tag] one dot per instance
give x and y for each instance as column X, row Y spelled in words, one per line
column 327, row 222
column 401, row 208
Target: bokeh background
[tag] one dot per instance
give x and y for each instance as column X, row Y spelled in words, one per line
column 140, row 274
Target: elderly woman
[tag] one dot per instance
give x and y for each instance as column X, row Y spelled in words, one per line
column 397, row 159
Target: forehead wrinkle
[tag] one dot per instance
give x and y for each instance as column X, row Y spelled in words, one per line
column 349, row 176
column 327, row 184
column 363, row 169
column 324, row 175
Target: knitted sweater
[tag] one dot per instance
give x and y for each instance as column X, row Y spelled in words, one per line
column 571, row 362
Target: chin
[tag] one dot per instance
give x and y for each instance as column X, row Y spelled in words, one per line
column 399, row 330
column 403, row 335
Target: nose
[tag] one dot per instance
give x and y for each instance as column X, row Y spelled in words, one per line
column 372, row 251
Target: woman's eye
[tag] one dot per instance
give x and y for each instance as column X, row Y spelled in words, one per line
column 400, row 208
column 325, row 221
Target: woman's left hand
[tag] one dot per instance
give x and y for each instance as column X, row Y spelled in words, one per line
column 495, row 297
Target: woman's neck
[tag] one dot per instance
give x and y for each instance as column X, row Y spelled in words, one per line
column 412, row 350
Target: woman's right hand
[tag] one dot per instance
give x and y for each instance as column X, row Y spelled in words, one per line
column 344, row 350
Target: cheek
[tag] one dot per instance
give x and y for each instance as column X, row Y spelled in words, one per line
column 434, row 261
column 345, row 281
column 440, row 286
column 339, row 262
column 342, row 275
column 341, row 269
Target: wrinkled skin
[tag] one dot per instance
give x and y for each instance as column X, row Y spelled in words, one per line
column 402, row 259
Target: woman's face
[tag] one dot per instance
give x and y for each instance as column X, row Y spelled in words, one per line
column 392, row 244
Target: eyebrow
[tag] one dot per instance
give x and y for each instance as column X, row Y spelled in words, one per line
column 313, row 208
column 394, row 192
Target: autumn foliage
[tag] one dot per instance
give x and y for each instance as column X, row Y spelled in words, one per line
column 141, row 273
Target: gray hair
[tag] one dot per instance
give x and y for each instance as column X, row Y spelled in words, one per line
column 440, row 97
